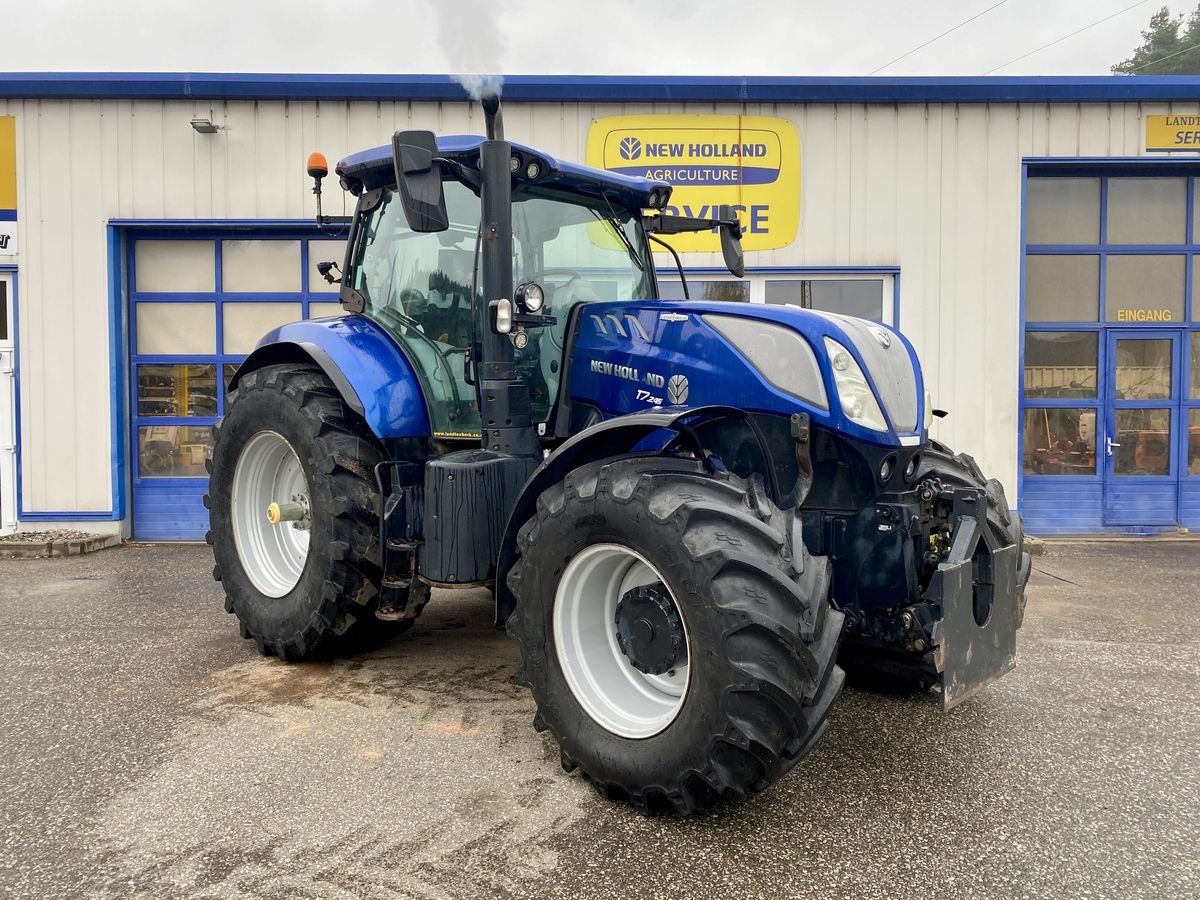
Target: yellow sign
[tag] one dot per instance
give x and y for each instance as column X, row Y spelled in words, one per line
column 8, row 163
column 1173, row 132
column 751, row 163
column 8, row 186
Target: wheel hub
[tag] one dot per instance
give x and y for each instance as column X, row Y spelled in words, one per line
column 649, row 631
column 272, row 548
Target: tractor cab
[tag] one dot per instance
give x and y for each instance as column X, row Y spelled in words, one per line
column 425, row 288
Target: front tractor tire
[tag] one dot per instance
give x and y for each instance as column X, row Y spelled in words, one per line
column 676, row 634
column 293, row 512
column 958, row 470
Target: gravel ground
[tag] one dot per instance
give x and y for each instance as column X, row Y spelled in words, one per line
column 41, row 537
column 147, row 751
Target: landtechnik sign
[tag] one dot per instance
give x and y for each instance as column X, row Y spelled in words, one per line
column 8, row 186
column 1173, row 132
column 751, row 163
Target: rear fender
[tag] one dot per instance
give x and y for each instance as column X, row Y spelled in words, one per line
column 369, row 370
column 612, row 437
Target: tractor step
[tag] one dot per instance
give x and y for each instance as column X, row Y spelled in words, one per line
column 401, row 596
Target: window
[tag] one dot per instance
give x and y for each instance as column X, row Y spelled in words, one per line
column 1060, row 441
column 699, row 289
column 1062, row 211
column 850, row 297
column 868, row 295
column 178, row 345
column 1061, row 363
column 1147, row 210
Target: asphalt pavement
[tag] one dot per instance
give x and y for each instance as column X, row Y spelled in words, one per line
column 146, row 750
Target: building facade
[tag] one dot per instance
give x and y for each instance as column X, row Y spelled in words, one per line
column 1036, row 238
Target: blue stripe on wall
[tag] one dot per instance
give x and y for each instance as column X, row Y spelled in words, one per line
column 602, row 88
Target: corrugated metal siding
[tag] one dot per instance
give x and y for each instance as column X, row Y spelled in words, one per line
column 1062, row 507
column 1189, row 503
column 1140, row 501
column 934, row 189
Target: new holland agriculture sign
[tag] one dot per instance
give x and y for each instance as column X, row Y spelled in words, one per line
column 750, row 162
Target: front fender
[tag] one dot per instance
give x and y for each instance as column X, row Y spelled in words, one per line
column 612, row 437
column 370, row 371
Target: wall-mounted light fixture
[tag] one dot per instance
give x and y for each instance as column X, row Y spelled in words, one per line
column 204, row 125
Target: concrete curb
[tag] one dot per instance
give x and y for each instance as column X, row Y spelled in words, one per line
column 58, row 548
column 1035, row 546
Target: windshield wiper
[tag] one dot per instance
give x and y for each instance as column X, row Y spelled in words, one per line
column 620, row 232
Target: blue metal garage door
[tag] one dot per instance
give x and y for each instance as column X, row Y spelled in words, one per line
column 200, row 300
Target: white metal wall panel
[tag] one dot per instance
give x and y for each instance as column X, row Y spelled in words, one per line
column 934, row 189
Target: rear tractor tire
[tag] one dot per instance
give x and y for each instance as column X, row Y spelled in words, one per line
column 675, row 632
column 293, row 511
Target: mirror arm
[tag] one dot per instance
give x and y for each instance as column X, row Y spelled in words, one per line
column 730, row 228
column 661, row 224
column 678, row 262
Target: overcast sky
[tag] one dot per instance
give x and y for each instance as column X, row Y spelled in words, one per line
column 693, row 37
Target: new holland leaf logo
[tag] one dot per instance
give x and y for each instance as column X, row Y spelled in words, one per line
column 631, row 148
column 677, row 390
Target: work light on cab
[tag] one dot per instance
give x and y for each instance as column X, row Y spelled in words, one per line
column 530, row 296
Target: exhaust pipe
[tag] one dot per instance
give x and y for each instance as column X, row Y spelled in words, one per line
column 492, row 117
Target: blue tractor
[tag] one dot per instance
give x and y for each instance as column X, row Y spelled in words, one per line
column 695, row 516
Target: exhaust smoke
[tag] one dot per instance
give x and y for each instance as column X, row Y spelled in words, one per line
column 480, row 86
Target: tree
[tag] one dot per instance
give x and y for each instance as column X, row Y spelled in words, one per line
column 1164, row 50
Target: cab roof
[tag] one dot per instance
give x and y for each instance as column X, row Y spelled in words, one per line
column 373, row 169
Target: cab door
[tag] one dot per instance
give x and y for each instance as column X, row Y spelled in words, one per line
column 1138, row 446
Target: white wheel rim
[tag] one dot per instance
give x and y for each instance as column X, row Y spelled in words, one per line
column 272, row 556
column 618, row 696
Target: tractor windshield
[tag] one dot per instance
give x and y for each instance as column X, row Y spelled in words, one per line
column 418, row 287
column 578, row 252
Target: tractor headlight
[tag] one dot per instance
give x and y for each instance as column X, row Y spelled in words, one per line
column 531, row 296
column 858, row 400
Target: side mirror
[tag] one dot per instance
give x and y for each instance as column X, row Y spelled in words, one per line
column 731, row 242
column 419, row 180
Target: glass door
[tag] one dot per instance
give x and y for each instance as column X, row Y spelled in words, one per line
column 1138, row 446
